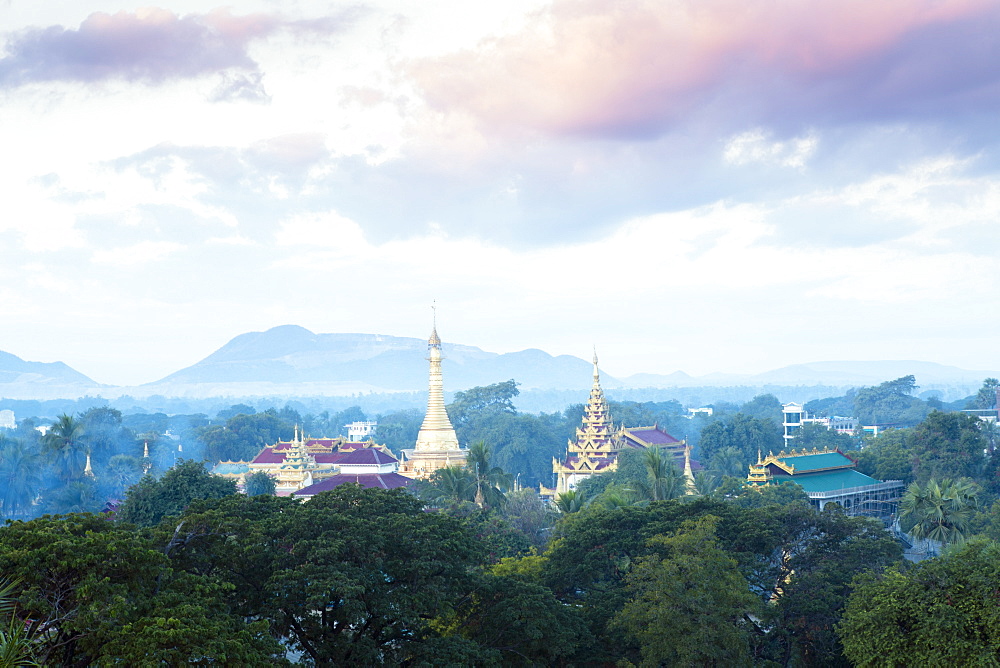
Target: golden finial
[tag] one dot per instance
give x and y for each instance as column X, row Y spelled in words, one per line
column 435, row 340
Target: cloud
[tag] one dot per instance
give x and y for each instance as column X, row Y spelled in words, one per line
column 152, row 46
column 141, row 253
column 757, row 146
column 637, row 68
column 323, row 230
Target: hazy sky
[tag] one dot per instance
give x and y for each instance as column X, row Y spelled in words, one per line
column 705, row 185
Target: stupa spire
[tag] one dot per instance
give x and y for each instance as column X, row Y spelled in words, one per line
column 88, row 469
column 436, row 432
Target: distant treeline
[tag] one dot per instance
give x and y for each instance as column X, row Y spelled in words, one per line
column 528, row 401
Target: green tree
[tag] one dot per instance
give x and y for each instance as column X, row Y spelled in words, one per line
column 571, row 501
column 987, row 396
column 812, row 435
column 691, row 606
column 78, row 496
column 121, row 472
column 526, row 512
column 821, row 554
column 889, row 456
column 705, row 483
column 448, row 485
column 519, row 622
column 748, row 435
column 16, row 645
column 352, row 577
column 398, row 430
column 729, row 461
column 890, row 403
column 151, row 500
column 100, row 594
column 491, row 481
column 948, row 445
column 478, row 403
column 663, row 479
column 784, row 549
column 20, row 477
column 764, row 407
column 259, row 482
column 939, row 511
column 64, row 444
column 243, row 436
column 943, row 612
column 102, row 433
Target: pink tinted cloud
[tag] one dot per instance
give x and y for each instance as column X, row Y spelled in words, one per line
column 146, row 45
column 608, row 67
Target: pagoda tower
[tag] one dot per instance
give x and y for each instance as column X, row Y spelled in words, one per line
column 437, row 444
column 597, row 443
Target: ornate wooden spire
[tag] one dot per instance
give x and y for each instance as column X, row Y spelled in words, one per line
column 596, row 434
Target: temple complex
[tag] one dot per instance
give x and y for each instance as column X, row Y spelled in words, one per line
column 598, row 443
column 829, row 476
column 437, row 444
column 368, row 467
column 297, row 463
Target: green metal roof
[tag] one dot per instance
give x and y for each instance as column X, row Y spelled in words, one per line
column 825, row 460
column 830, row 481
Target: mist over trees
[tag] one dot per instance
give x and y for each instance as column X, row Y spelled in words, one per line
column 628, row 568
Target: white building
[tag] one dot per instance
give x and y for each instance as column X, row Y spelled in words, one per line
column 794, row 416
column 360, row 431
column 7, row 420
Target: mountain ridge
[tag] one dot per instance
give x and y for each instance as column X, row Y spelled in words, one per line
column 290, row 360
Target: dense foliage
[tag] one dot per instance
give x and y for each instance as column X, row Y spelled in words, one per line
column 634, row 567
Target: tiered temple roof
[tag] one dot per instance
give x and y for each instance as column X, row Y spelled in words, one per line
column 598, row 443
column 596, row 447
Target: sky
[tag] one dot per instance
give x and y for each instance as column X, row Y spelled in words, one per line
column 696, row 185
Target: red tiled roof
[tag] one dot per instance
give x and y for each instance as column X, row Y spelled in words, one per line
column 353, row 445
column 328, row 457
column 269, row 456
column 367, row 456
column 367, row 480
column 652, row 436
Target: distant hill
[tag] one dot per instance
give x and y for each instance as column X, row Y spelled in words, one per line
column 294, row 356
column 41, row 380
column 291, row 361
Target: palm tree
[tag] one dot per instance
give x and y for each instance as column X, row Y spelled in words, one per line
column 705, row 483
column 450, row 484
column 63, row 441
column 939, row 511
column 491, row 481
column 571, row 501
column 663, row 479
column 15, row 641
column 75, row 497
column 20, row 476
column 729, row 461
column 615, row 496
